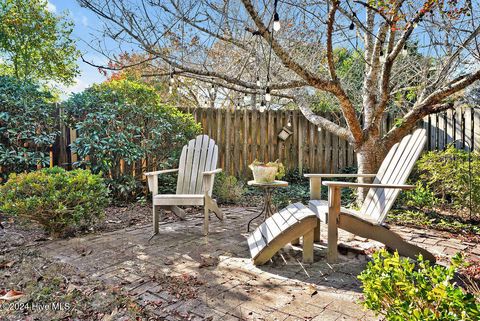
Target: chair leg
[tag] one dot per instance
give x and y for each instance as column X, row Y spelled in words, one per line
column 308, row 246
column 333, row 212
column 156, row 216
column 205, row 221
column 316, row 232
column 213, row 206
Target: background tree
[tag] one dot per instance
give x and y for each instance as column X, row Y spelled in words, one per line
column 27, row 126
column 302, row 55
column 35, row 44
column 123, row 127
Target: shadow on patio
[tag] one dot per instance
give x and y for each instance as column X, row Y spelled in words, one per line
column 184, row 274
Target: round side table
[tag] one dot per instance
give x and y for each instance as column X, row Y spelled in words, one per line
column 268, row 207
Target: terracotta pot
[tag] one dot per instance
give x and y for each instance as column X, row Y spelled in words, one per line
column 264, row 174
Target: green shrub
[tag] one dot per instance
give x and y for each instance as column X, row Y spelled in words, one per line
column 123, row 120
column 420, row 197
column 27, row 126
column 227, row 189
column 401, row 290
column 61, row 201
column 447, row 175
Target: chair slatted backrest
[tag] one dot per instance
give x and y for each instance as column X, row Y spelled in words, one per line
column 395, row 169
column 198, row 156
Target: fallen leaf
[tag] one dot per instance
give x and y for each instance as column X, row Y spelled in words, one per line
column 312, row 290
column 12, row 295
column 6, row 264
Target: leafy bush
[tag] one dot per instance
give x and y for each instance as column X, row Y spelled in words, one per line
column 420, row 197
column 124, row 121
column 27, row 126
column 227, row 189
column 401, row 290
column 298, row 189
column 447, row 174
column 61, row 201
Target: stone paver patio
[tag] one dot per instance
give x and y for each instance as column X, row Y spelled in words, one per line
column 229, row 286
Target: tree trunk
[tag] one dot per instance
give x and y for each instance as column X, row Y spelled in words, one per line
column 369, row 157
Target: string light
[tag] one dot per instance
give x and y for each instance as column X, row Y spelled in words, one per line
column 319, row 128
column 262, row 106
column 212, row 90
column 405, row 50
column 258, row 82
column 172, row 80
column 268, row 96
column 170, row 90
column 276, row 22
column 382, row 57
column 352, row 25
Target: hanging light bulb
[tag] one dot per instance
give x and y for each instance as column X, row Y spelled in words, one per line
column 405, row 50
column 382, row 56
column 212, row 90
column 258, row 81
column 170, row 90
column 262, row 106
column 172, row 80
column 268, row 96
column 352, row 26
column 276, row 22
column 246, row 98
column 319, row 128
column 289, row 124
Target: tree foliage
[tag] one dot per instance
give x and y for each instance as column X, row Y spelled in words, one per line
column 27, row 125
column 121, row 122
column 35, row 44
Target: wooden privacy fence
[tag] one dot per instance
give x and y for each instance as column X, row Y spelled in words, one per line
column 245, row 135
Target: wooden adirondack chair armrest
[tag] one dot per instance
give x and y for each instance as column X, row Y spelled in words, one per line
column 152, row 178
column 316, row 182
column 215, row 171
column 208, row 181
column 338, row 175
column 165, row 171
column 349, row 184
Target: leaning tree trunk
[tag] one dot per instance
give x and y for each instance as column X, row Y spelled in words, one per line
column 369, row 157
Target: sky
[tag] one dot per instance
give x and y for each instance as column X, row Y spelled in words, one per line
column 85, row 25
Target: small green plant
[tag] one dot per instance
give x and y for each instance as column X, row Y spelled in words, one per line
column 61, row 201
column 420, row 197
column 227, row 189
column 399, row 289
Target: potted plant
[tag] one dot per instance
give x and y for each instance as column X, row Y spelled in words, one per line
column 267, row 173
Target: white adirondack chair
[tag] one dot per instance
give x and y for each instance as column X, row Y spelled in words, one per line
column 369, row 221
column 196, row 174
